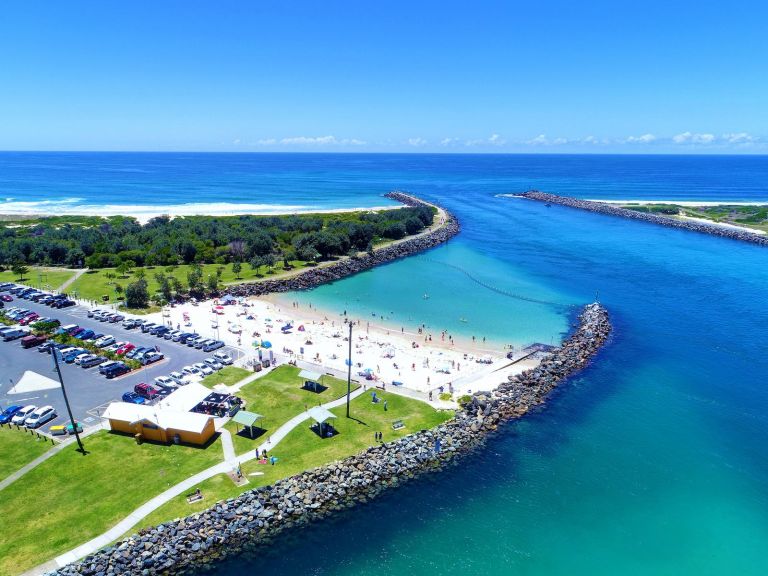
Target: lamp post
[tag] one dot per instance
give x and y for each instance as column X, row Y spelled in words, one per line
column 55, row 354
column 349, row 368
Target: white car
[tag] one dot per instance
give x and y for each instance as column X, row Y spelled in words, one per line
column 40, row 416
column 192, row 371
column 166, row 382
column 204, row 368
column 115, row 346
column 179, row 378
column 213, row 363
column 172, row 334
column 223, row 358
column 21, row 416
column 107, row 340
column 82, row 357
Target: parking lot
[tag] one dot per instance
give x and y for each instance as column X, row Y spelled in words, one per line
column 89, row 392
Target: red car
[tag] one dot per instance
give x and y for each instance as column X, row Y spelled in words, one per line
column 6, row 298
column 29, row 319
column 146, row 390
column 124, row 349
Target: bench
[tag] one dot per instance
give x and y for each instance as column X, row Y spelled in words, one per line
column 398, row 425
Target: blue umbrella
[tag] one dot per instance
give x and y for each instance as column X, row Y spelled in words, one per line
column 266, row 344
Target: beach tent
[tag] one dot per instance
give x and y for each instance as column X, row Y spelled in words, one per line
column 311, row 380
column 321, row 416
column 227, row 299
column 247, row 419
column 266, row 344
column 33, row 382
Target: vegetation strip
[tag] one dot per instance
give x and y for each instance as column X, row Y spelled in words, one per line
column 611, row 210
column 240, row 525
column 359, row 263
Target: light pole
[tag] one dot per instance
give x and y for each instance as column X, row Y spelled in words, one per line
column 349, row 368
column 55, row 353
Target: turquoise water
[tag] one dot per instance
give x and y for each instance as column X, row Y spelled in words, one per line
column 652, row 461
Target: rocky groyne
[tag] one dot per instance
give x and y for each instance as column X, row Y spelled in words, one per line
column 611, row 210
column 241, row 525
column 313, row 277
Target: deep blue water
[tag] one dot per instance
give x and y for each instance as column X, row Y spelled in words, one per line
column 652, row 461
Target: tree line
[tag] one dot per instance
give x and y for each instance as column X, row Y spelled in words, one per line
column 163, row 241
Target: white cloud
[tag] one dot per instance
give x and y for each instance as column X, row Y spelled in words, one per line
column 693, row 138
column 496, row 140
column 266, row 142
column 644, row 139
column 448, row 141
column 310, row 141
column 236, row 141
column 540, row 140
column 739, row 138
column 417, row 142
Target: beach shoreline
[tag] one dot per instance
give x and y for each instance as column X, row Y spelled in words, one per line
column 143, row 213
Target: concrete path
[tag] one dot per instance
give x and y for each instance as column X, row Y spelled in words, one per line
column 71, row 281
column 226, row 444
column 52, row 452
column 231, row 463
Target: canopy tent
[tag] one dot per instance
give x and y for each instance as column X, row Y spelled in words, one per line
column 311, row 380
column 247, row 419
column 320, row 415
column 227, row 299
column 33, row 382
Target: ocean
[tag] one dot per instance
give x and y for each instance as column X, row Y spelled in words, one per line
column 651, row 461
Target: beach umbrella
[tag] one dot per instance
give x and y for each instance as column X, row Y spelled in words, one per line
column 266, row 344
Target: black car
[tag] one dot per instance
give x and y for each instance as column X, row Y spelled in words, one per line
column 116, row 370
column 162, row 331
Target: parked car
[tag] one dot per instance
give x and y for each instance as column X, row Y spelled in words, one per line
column 146, row 390
column 192, row 371
column 115, row 318
column 151, row 358
column 94, row 360
column 83, row 357
column 136, row 351
column 85, row 334
column 224, row 358
column 131, row 323
column 21, row 415
column 70, row 357
column 105, row 341
column 9, row 413
column 204, row 368
column 117, row 369
column 93, row 311
column 184, row 338
column 107, row 365
column 125, row 349
column 6, row 298
column 213, row 363
column 166, row 383
column 179, row 378
column 40, row 416
column 171, row 334
column 32, row 340
column 28, row 319
column 133, row 398
column 162, row 331
column 148, row 326
column 14, row 333
column 212, row 345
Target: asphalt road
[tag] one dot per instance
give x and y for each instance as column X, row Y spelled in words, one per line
column 89, row 392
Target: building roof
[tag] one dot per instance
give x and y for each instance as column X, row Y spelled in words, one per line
column 310, row 375
column 185, row 398
column 162, row 417
column 320, row 414
column 246, row 418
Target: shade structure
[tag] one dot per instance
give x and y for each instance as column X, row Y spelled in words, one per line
column 246, row 418
column 320, row 414
column 33, row 382
column 310, row 375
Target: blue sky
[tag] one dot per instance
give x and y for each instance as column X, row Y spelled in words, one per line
column 482, row 76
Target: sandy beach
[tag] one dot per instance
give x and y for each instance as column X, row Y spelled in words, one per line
column 144, row 213
column 396, row 359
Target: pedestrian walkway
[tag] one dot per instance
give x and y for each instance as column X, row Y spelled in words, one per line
column 232, row 462
column 52, row 452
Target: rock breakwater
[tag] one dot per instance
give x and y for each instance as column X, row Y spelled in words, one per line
column 611, row 210
column 240, row 525
column 313, row 277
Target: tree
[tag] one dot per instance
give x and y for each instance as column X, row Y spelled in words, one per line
column 270, row 260
column 125, row 267
column 195, row 281
column 308, row 253
column 369, row 248
column 164, row 286
column 137, row 295
column 213, row 282
column 177, row 286
column 140, row 273
column 20, row 270
column 236, row 268
column 256, row 263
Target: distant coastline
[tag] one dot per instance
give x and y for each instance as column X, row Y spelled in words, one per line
column 694, row 225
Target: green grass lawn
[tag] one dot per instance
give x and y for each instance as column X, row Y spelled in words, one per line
column 18, row 448
column 71, row 498
column 94, row 284
column 303, row 449
column 40, row 277
column 228, row 376
column 278, row 396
